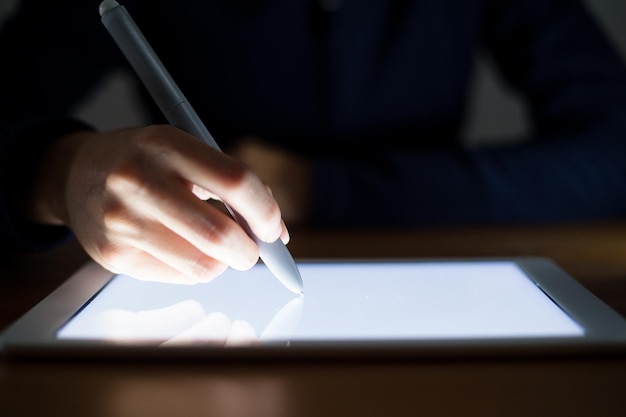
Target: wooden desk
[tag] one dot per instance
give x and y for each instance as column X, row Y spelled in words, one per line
column 594, row 254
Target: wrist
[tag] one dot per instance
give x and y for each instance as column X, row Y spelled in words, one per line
column 46, row 202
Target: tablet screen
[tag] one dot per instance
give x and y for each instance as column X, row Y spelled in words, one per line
column 343, row 301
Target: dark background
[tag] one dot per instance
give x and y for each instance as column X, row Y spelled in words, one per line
column 495, row 113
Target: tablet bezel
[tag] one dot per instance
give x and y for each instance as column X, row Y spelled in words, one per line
column 34, row 334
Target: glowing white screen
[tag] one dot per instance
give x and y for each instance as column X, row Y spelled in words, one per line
column 342, row 301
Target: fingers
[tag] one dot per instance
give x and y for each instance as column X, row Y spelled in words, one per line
column 231, row 180
column 158, row 264
column 168, row 221
column 142, row 266
column 134, row 200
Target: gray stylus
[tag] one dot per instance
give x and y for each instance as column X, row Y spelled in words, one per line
column 179, row 113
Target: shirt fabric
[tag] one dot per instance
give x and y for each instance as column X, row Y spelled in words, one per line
column 373, row 92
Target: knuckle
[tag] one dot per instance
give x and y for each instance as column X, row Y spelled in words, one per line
column 215, row 233
column 123, row 180
column 120, row 221
column 244, row 185
column 115, row 256
column 204, row 269
column 133, row 182
column 239, row 176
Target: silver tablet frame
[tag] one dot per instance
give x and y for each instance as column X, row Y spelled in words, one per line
column 34, row 334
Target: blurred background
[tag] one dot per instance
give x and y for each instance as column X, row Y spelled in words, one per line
column 495, row 112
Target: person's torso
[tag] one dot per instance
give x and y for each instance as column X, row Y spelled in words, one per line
column 294, row 73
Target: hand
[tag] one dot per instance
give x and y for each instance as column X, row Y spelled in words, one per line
column 287, row 175
column 133, row 198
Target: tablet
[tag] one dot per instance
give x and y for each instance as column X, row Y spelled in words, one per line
column 350, row 309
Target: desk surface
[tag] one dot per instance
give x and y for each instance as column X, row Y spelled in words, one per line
column 594, row 254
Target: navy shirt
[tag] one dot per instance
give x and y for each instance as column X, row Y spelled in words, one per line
column 373, row 92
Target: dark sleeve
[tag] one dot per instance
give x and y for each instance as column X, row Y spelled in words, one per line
column 53, row 55
column 571, row 167
column 21, row 150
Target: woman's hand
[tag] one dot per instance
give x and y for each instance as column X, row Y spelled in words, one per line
column 134, row 200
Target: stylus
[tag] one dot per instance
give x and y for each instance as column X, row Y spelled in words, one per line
column 179, row 113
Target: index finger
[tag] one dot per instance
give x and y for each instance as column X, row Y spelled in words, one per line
column 229, row 179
